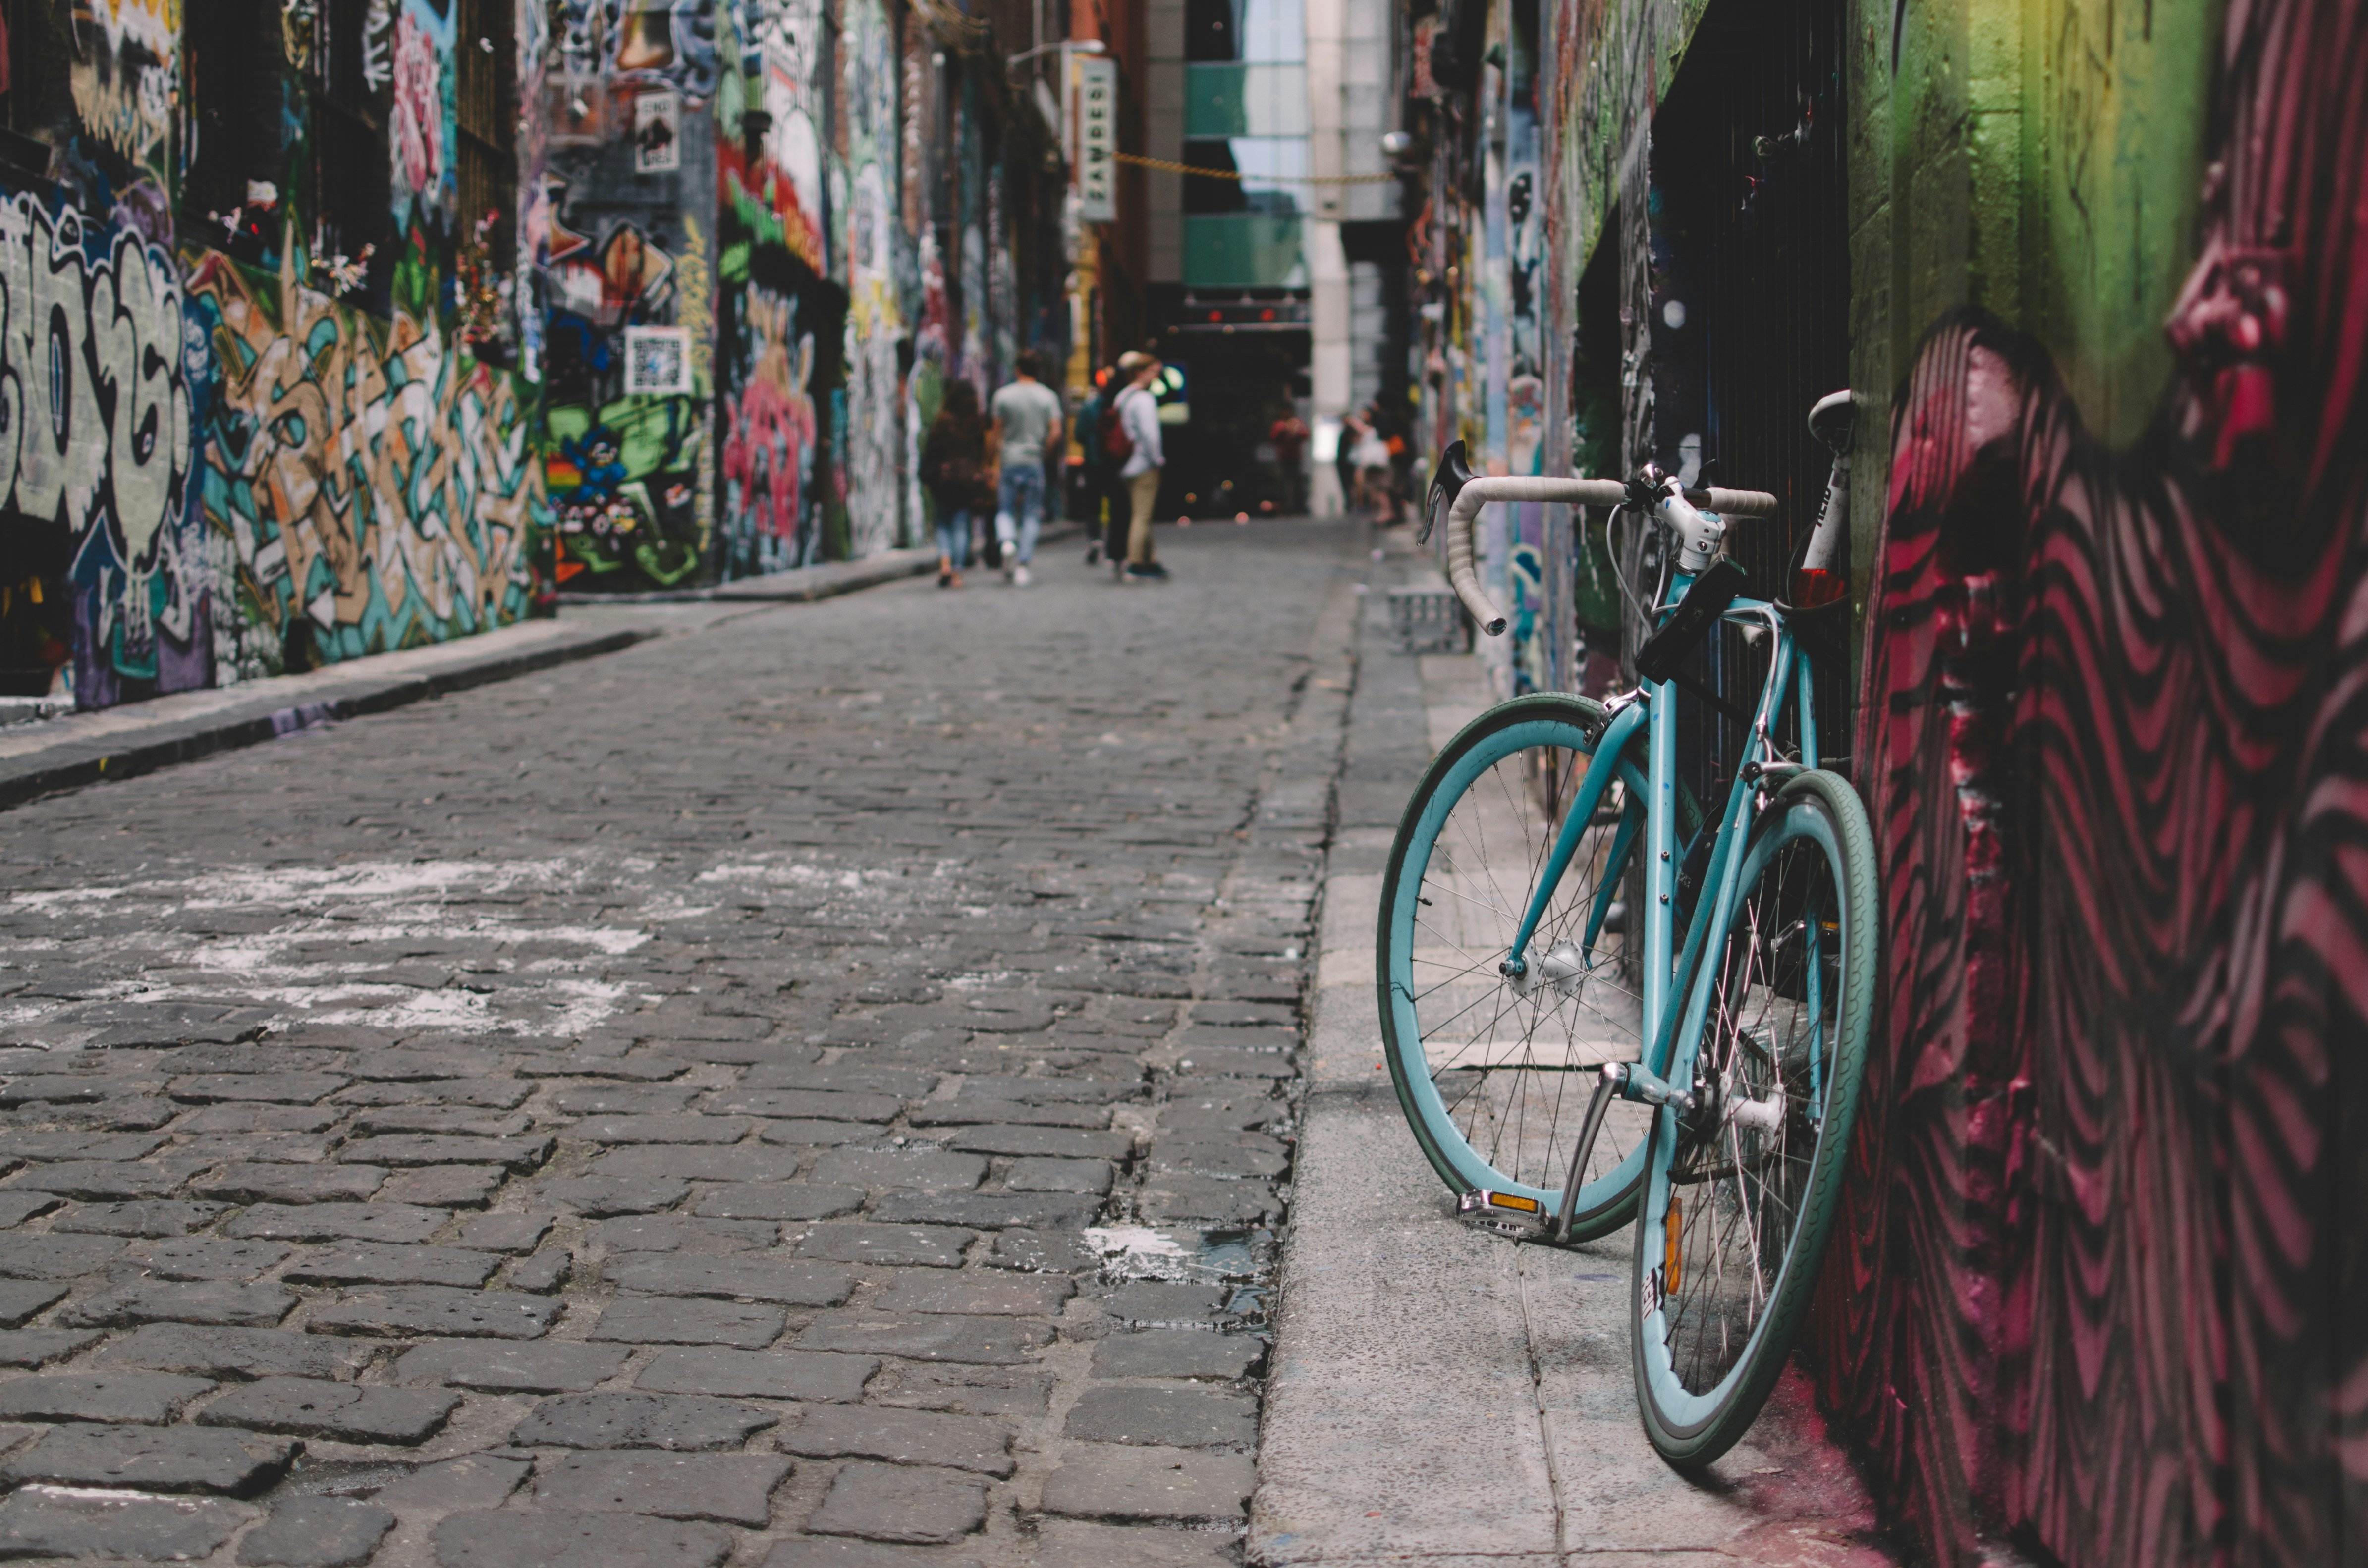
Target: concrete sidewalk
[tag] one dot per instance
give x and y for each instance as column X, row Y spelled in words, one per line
column 140, row 737
column 1440, row 1395
column 42, row 757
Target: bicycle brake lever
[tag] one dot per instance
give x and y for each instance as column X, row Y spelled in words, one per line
column 1446, row 482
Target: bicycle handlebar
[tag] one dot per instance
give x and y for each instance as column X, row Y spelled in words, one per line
column 1477, row 492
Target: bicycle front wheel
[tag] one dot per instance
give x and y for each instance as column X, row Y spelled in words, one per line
column 1741, row 1191
column 1495, row 1077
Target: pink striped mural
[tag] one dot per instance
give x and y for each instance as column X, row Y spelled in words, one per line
column 2101, row 1291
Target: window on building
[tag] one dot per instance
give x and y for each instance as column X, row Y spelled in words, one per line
column 352, row 172
column 231, row 132
column 1246, row 112
column 485, row 72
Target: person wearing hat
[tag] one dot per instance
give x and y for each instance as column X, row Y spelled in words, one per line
column 1138, row 421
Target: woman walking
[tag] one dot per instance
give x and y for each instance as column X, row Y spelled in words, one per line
column 954, row 467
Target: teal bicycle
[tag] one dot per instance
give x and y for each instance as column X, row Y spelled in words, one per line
column 1601, row 1006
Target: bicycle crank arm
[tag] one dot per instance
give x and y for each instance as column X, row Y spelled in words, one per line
column 1598, row 1106
column 1618, row 1080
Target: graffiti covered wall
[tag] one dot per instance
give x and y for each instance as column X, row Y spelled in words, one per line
column 369, row 480
column 779, row 318
column 819, row 361
column 2101, row 1290
column 228, row 448
column 878, row 258
column 98, row 381
column 626, row 278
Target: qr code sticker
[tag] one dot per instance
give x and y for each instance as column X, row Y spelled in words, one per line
column 657, row 359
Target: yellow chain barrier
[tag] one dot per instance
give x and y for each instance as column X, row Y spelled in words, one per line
column 1139, row 160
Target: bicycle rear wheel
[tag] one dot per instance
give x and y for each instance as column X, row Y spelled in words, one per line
column 1495, row 1077
column 1740, row 1192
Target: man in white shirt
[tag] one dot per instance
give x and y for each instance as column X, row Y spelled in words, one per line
column 1027, row 422
column 1138, row 414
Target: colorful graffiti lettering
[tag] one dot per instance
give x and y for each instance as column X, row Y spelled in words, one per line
column 95, row 433
column 373, row 482
column 122, row 76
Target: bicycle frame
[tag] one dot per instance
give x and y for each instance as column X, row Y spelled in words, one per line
column 1651, row 708
column 1747, row 964
column 1695, row 520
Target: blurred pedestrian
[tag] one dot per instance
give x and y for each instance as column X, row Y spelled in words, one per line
column 1138, row 415
column 1289, row 435
column 1027, row 422
column 954, row 467
column 1105, row 497
column 1369, row 461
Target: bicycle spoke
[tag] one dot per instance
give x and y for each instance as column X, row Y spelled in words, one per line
column 1740, row 1182
column 1500, row 1062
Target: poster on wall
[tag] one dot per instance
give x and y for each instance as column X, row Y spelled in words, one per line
column 657, row 141
column 657, row 359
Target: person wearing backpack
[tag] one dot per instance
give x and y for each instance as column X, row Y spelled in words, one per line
column 1137, row 438
column 954, row 467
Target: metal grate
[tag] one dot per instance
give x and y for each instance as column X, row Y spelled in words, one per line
column 1429, row 620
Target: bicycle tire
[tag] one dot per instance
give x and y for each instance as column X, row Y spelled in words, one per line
column 1462, row 1128
column 1711, row 1322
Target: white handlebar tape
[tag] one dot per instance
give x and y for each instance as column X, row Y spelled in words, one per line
column 1478, row 492
column 1737, row 502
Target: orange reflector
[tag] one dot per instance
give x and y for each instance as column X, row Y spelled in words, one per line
column 1507, row 1200
column 1672, row 1253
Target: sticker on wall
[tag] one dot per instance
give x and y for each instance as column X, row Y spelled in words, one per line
column 657, row 359
column 657, row 141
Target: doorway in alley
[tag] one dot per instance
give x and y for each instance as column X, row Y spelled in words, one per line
column 1750, row 261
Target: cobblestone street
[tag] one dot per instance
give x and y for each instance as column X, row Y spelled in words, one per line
column 811, row 1090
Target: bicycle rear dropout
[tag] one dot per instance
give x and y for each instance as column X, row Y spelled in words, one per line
column 1714, row 1034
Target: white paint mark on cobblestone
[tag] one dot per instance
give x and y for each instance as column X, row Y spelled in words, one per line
column 433, row 903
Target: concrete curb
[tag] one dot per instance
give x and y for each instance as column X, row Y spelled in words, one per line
column 802, row 585
column 126, row 751
column 75, row 762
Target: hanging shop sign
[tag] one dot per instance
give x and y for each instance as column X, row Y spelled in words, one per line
column 1093, row 88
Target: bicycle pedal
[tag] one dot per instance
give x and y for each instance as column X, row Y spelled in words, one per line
column 1481, row 1210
